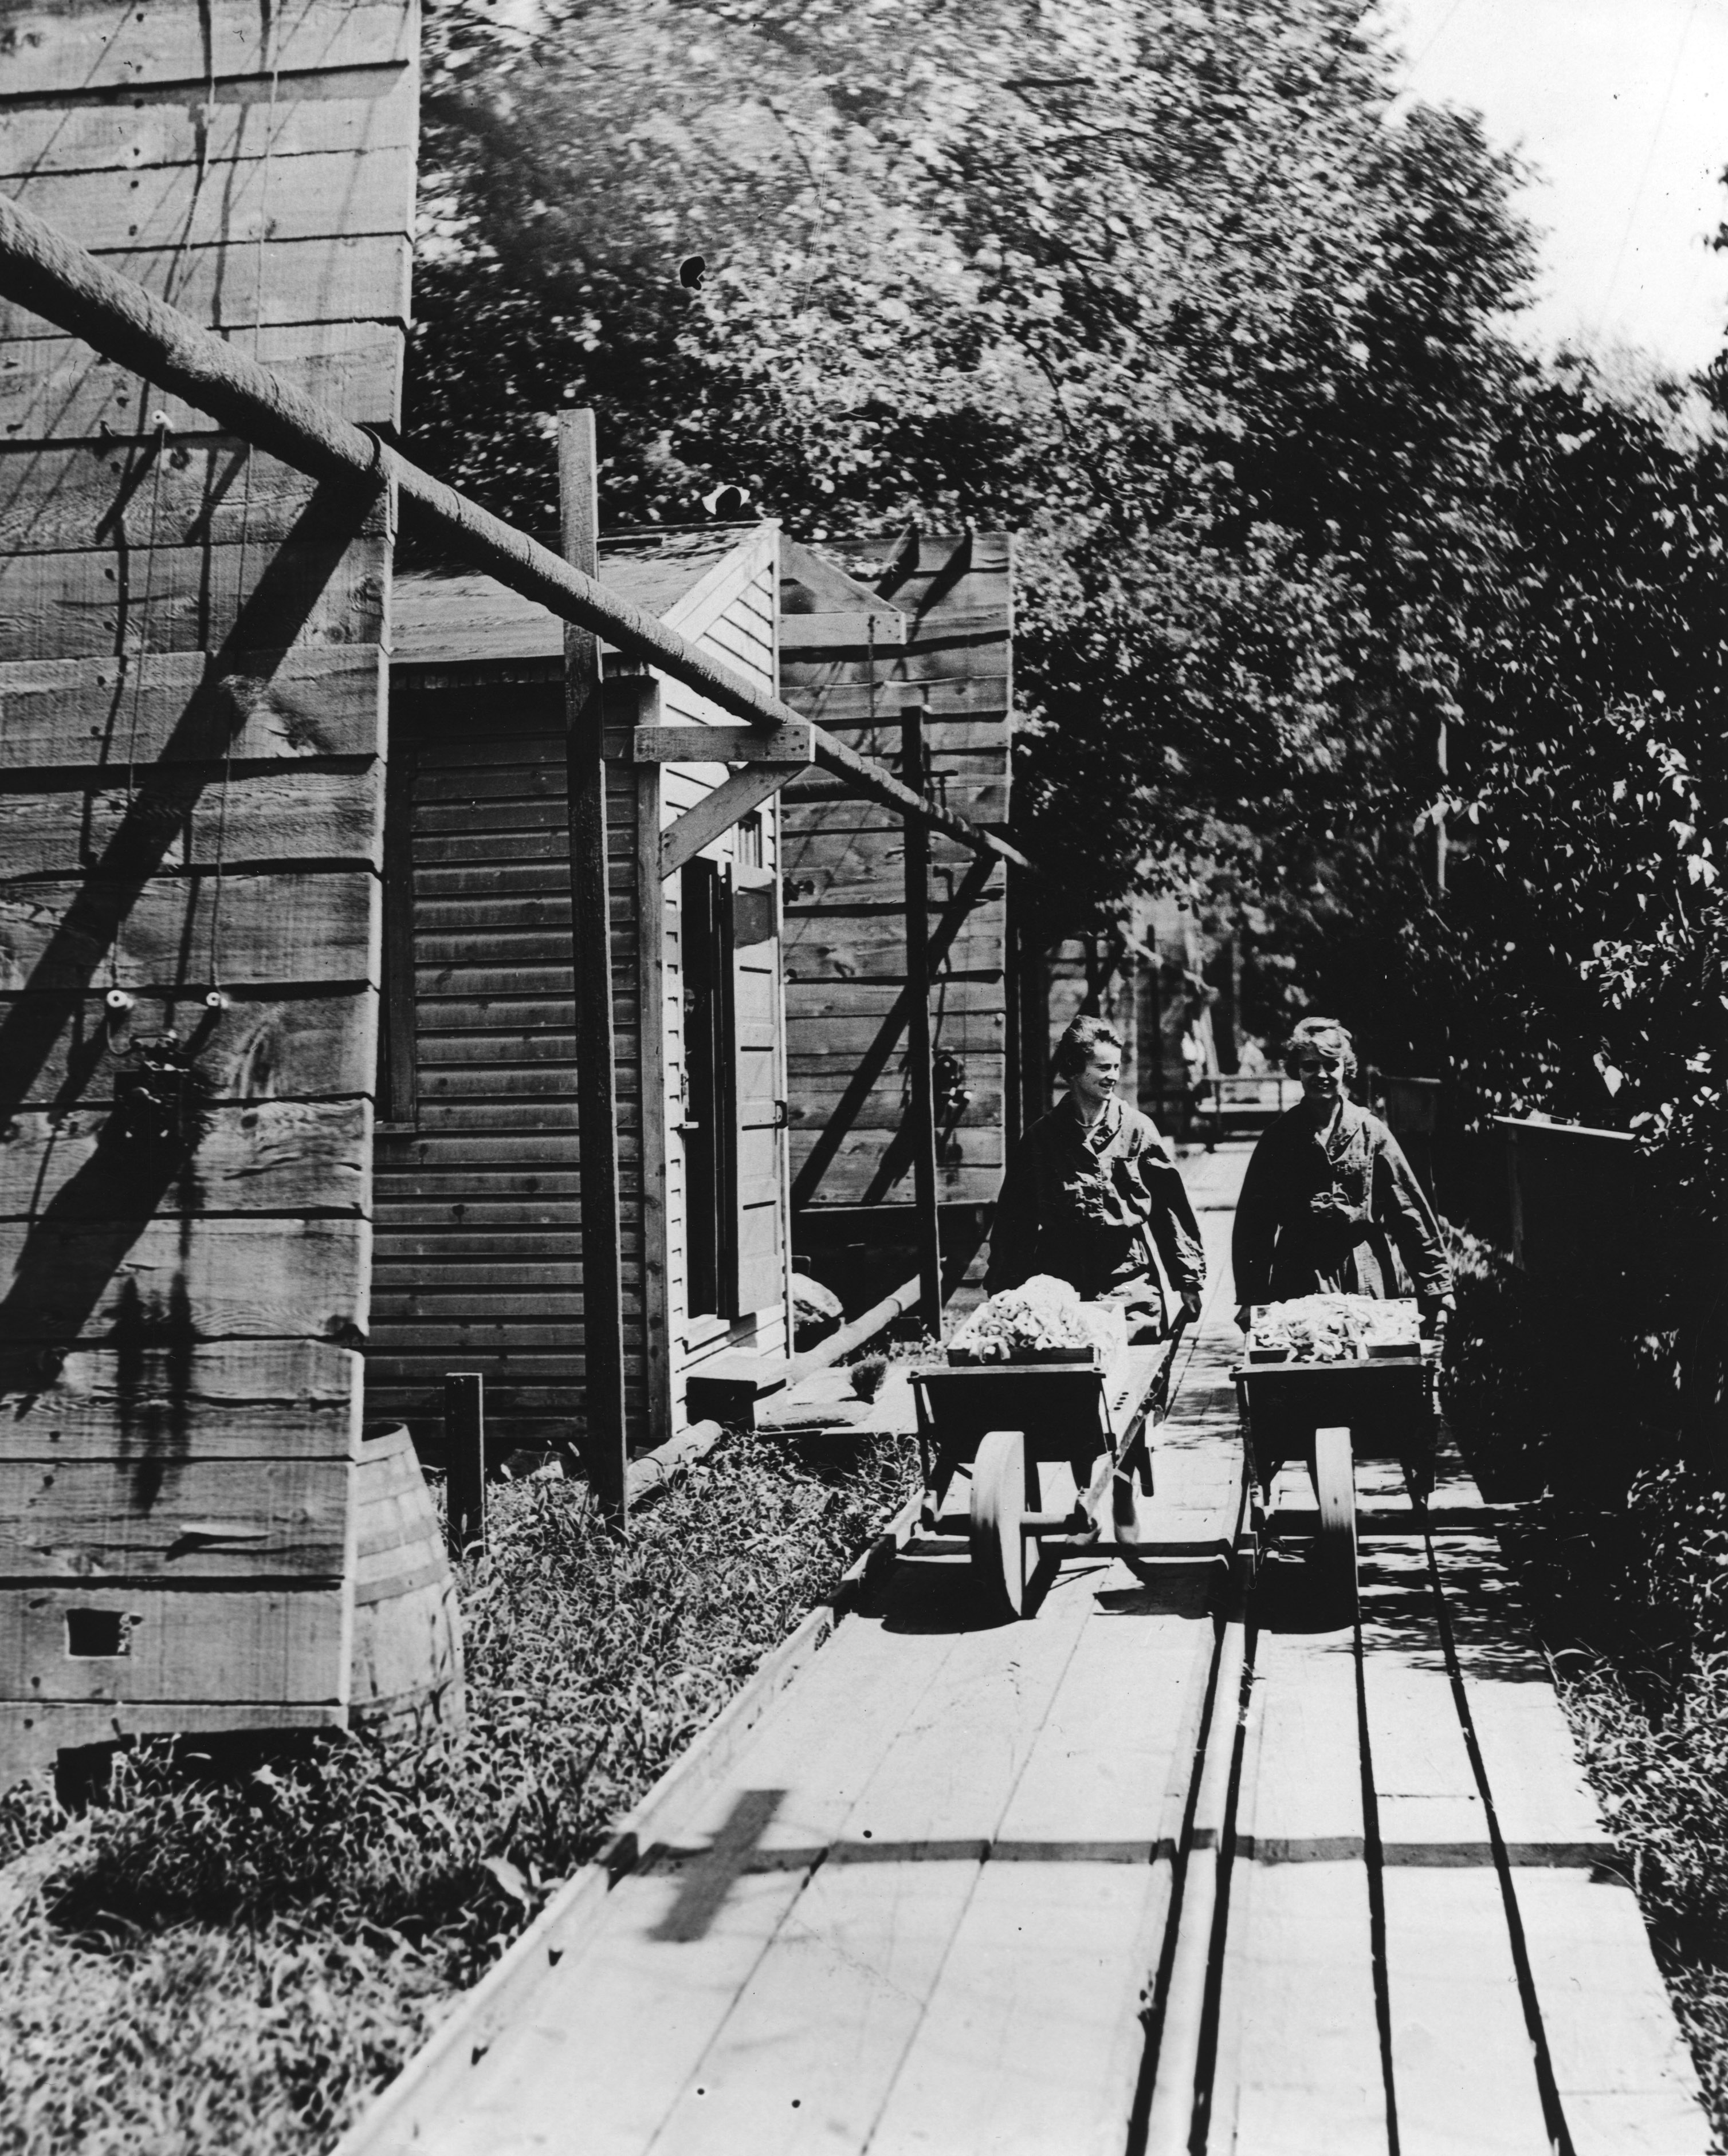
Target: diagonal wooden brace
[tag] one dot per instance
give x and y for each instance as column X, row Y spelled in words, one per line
column 718, row 811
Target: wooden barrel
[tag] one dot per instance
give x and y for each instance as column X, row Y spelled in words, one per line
column 407, row 1661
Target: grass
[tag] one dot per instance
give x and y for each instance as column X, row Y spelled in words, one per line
column 237, row 1951
column 1628, row 1589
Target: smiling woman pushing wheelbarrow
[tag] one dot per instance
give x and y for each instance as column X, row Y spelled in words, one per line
column 1089, row 1198
column 1329, row 1208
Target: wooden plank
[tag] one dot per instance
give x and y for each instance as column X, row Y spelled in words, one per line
column 1463, row 2062
column 72, row 52
column 1034, row 2034
column 257, row 1644
column 1625, row 2079
column 60, row 934
column 201, row 489
column 658, row 2001
column 305, row 700
column 736, row 744
column 297, row 115
column 167, row 1398
column 604, row 1436
column 251, row 282
column 655, row 1210
column 163, row 1279
column 173, row 1521
column 717, row 814
column 333, row 193
column 870, row 1938
column 91, row 605
column 1299, row 2061
column 58, row 389
column 211, row 817
column 276, row 1157
column 62, row 1049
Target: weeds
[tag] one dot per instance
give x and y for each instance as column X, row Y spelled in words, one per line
column 240, row 1950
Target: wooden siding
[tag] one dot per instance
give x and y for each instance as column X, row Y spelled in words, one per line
column 477, row 1251
column 191, row 753
column 845, row 938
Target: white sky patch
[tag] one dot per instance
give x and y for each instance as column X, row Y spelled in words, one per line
column 1623, row 105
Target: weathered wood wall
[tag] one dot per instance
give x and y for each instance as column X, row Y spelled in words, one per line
column 191, row 795
column 845, row 936
column 477, row 1256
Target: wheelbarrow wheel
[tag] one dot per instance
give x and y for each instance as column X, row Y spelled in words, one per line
column 998, row 1539
column 1336, row 1495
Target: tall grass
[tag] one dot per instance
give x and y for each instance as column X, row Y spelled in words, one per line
column 238, row 1950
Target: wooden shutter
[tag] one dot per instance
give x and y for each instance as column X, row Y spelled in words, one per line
column 759, row 1108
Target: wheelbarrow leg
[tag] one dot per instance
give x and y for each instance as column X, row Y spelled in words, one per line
column 1334, row 1481
column 997, row 1534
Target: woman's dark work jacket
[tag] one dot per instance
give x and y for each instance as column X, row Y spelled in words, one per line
column 1322, row 1216
column 1091, row 1206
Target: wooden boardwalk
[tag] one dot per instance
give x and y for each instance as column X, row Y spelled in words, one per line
column 1156, row 1870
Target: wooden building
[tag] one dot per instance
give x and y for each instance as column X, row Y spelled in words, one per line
column 870, row 633
column 477, row 1261
column 191, row 698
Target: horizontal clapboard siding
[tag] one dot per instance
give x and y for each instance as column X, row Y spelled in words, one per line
column 478, row 1233
column 191, row 684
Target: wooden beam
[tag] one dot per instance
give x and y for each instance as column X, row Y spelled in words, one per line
column 69, row 287
column 605, row 1444
column 921, row 1115
column 790, row 744
column 717, row 812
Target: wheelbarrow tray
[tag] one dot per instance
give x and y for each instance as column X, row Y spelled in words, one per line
column 1332, row 1415
column 1041, row 1413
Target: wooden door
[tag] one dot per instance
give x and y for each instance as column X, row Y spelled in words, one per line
column 760, row 1109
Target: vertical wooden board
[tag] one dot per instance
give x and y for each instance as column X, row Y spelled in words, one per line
column 1463, row 2065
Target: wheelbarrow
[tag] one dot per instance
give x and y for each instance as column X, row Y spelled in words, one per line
column 1004, row 1429
column 1332, row 1415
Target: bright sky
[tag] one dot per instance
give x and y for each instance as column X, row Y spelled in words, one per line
column 1623, row 105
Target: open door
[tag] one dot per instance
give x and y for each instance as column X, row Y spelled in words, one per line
column 759, row 1282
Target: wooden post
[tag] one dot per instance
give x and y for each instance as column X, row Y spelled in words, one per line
column 923, row 1120
column 465, row 1461
column 604, row 1447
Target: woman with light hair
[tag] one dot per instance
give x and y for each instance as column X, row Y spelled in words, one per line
column 1092, row 1193
column 1329, row 1204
